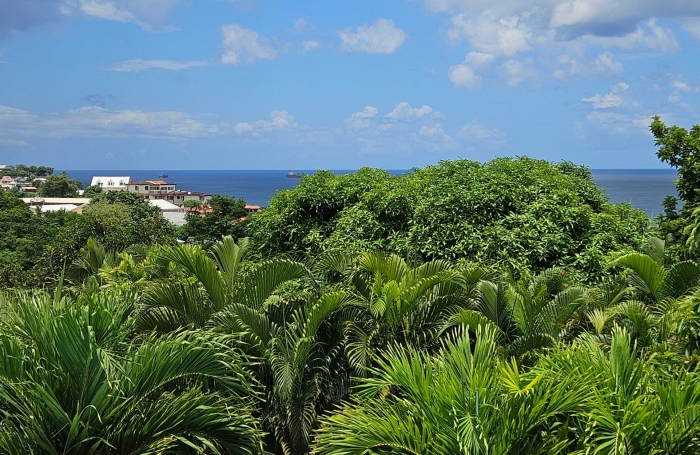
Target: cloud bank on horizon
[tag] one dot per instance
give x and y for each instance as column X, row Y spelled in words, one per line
column 262, row 84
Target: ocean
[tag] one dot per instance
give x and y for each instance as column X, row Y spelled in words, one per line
column 643, row 188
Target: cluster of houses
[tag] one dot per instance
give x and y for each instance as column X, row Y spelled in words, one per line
column 159, row 193
column 24, row 184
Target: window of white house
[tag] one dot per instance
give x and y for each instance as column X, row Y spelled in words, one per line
column 145, row 187
column 136, row 188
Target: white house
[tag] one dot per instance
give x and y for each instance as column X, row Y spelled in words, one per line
column 113, row 183
column 170, row 212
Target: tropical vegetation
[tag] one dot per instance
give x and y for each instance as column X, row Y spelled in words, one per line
column 377, row 325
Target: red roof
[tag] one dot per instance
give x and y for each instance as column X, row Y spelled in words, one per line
column 7, row 179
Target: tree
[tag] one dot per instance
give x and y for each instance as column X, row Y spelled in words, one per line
column 516, row 213
column 60, row 186
column 462, row 400
column 192, row 203
column 92, row 191
column 120, row 219
column 680, row 148
column 70, row 382
column 227, row 217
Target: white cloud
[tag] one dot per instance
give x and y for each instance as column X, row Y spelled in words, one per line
column 381, row 37
column 279, row 120
column 403, row 129
column 475, row 131
column 367, row 112
column 94, row 121
column 309, row 45
column 682, row 86
column 603, row 65
column 12, row 143
column 244, row 45
column 505, row 36
column 517, row 72
column 151, row 15
column 609, row 100
column 106, row 10
column 692, row 26
column 614, row 123
column 404, row 111
column 139, row 65
column 465, row 74
column 300, row 24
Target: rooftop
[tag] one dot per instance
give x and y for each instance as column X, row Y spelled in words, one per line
column 56, row 200
column 164, row 205
column 151, row 182
column 114, row 180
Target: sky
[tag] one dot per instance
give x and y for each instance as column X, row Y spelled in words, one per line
column 255, row 84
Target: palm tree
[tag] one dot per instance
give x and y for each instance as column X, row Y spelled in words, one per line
column 300, row 345
column 91, row 260
column 531, row 313
column 462, row 400
column 72, row 382
column 398, row 304
column 210, row 284
column 652, row 311
column 633, row 408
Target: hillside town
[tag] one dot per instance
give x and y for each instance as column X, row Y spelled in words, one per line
column 173, row 203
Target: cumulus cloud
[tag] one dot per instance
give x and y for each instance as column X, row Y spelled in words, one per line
column 609, row 100
column 381, row 37
column 404, row 128
column 300, row 25
column 465, row 73
column 604, row 64
column 500, row 36
column 95, row 121
column 575, row 17
column 404, row 110
column 245, row 45
column 692, row 26
column 618, row 124
column 475, row 131
column 680, row 85
column 517, row 71
column 514, row 31
column 309, row 45
column 279, row 120
column 138, row 65
column 367, row 112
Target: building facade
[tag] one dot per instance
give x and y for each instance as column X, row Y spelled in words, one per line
column 162, row 190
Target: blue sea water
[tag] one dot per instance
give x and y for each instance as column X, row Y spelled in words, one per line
column 643, row 188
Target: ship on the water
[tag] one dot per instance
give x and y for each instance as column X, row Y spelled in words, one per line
column 162, row 176
column 294, row 175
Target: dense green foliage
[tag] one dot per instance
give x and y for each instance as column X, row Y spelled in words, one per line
column 24, row 236
column 225, row 218
column 520, row 213
column 92, row 191
column 503, row 308
column 35, row 247
column 29, row 172
column 59, row 186
column 173, row 348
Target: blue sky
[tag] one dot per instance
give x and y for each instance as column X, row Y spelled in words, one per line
column 252, row 84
